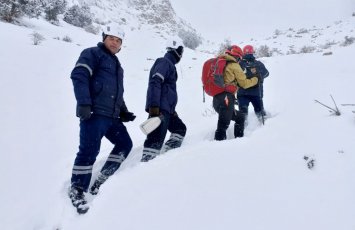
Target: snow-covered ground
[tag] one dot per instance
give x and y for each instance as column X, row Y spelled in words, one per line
column 261, row 181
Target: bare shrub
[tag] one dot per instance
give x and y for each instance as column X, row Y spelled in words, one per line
column 277, row 32
column 37, row 38
column 190, row 38
column 302, row 31
column 92, row 29
column 10, row 10
column 327, row 53
column 263, row 51
column 348, row 41
column 328, row 45
column 224, row 46
column 307, row 49
column 67, row 39
column 277, row 51
column 291, row 51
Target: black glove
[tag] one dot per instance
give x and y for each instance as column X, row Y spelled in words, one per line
column 127, row 116
column 83, row 112
column 154, row 111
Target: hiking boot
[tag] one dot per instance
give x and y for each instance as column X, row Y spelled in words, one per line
column 238, row 130
column 220, row 135
column 78, row 200
column 147, row 157
column 94, row 190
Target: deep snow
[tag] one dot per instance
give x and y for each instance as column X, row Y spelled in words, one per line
column 260, row 181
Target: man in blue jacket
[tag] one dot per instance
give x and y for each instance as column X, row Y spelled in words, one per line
column 98, row 86
column 161, row 101
column 253, row 95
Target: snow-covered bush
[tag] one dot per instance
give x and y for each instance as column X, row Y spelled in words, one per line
column 78, row 16
column 37, row 38
column 190, row 38
column 348, row 41
column 307, row 49
column 52, row 8
column 224, row 46
column 263, row 51
column 31, row 8
column 277, row 51
column 291, row 51
column 277, row 32
column 302, row 31
column 328, row 45
column 67, row 39
column 10, row 10
column 92, row 29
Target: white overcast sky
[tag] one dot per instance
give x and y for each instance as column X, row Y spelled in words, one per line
column 240, row 20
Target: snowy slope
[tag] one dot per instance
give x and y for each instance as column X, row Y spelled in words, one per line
column 258, row 182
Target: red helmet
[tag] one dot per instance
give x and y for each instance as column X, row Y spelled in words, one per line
column 235, row 51
column 248, row 49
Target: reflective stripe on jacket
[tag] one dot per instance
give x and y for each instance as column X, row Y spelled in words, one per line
column 162, row 84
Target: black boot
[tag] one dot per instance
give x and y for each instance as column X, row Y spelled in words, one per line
column 78, row 200
column 173, row 142
column 94, row 190
column 239, row 124
column 238, row 130
column 220, row 135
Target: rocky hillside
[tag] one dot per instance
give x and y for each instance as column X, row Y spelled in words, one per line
column 158, row 14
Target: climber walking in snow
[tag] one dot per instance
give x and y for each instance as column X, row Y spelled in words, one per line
column 98, row 86
column 161, row 102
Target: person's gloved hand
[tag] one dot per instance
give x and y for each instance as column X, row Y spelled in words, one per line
column 154, row 111
column 127, row 116
column 83, row 112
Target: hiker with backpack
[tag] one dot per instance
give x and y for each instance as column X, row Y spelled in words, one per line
column 253, row 95
column 161, row 102
column 223, row 103
column 98, row 87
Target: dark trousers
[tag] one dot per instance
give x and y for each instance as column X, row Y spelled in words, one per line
column 256, row 101
column 223, row 104
column 155, row 140
column 91, row 133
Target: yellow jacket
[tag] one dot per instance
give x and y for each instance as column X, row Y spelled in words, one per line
column 233, row 74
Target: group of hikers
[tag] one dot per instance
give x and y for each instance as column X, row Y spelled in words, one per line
column 98, row 87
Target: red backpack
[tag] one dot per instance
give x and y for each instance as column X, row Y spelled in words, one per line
column 212, row 77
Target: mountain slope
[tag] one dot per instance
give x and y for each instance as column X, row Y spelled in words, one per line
column 258, row 182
